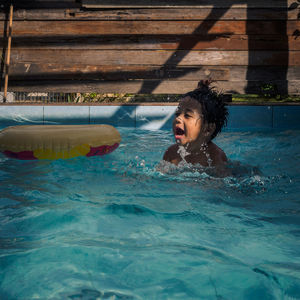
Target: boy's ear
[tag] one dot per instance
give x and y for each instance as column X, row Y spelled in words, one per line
column 210, row 128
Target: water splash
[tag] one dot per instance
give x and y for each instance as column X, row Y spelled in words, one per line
column 183, row 153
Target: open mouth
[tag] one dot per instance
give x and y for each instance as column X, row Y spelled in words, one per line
column 179, row 133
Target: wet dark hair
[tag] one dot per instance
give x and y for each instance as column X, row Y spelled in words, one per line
column 212, row 104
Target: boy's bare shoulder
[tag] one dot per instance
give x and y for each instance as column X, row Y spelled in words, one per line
column 218, row 155
column 171, row 153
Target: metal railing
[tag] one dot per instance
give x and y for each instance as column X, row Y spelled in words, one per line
column 37, row 97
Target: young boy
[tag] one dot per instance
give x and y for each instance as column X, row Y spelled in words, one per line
column 200, row 116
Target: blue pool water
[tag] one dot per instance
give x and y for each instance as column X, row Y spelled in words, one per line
column 115, row 227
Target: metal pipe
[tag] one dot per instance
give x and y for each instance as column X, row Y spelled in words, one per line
column 8, row 52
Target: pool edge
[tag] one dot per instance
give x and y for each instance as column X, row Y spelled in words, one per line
column 153, row 116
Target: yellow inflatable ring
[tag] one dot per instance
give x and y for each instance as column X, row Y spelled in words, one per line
column 58, row 141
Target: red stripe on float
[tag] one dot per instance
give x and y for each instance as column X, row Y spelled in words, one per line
column 94, row 151
column 101, row 150
column 25, row 155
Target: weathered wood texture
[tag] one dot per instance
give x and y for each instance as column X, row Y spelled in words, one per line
column 139, row 86
column 197, row 13
column 184, row 3
column 157, row 58
column 204, row 27
column 154, row 46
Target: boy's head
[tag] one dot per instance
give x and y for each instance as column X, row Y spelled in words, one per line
column 200, row 111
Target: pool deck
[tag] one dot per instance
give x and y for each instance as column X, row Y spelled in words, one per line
column 153, row 116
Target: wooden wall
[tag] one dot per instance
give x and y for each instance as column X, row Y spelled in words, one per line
column 153, row 46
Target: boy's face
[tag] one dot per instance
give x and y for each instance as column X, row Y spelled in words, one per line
column 188, row 122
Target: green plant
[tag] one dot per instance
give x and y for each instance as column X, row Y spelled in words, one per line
column 269, row 90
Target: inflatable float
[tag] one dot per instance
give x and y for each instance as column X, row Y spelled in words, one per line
column 58, row 141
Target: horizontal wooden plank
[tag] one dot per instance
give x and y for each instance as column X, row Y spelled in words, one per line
column 156, row 57
column 45, row 4
column 203, row 13
column 159, row 42
column 145, row 87
column 183, row 3
column 265, row 74
column 52, row 4
column 48, row 71
column 79, row 28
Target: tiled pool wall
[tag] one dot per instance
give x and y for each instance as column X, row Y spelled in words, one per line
column 147, row 116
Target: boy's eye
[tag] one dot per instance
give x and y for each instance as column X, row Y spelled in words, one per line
column 187, row 116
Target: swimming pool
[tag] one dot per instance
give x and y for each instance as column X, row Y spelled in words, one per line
column 114, row 227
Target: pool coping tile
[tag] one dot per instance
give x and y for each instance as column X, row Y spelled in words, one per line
column 250, row 117
column 286, row 117
column 154, row 118
column 20, row 115
column 147, row 117
column 66, row 114
column 113, row 115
